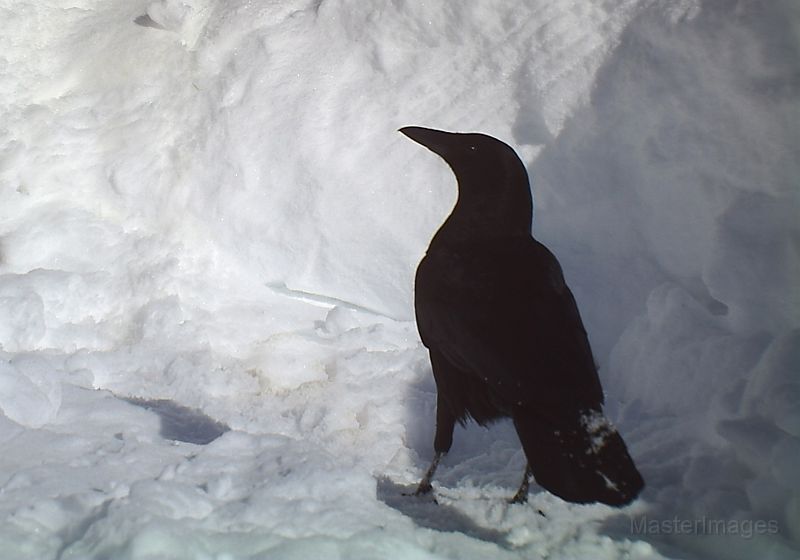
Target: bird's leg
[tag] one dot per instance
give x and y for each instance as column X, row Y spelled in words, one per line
column 425, row 484
column 445, row 421
column 522, row 494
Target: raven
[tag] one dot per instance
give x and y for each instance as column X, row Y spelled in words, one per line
column 504, row 334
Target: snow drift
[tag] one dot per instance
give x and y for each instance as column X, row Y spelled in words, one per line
column 208, row 202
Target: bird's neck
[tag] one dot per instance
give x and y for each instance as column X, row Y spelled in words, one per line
column 485, row 211
column 470, row 221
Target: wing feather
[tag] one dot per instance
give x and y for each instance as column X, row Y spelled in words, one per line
column 501, row 311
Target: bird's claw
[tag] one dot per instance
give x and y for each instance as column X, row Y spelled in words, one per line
column 421, row 491
column 518, row 498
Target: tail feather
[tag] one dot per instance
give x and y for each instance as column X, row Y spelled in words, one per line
column 581, row 458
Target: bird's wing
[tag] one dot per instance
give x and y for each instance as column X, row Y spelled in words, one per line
column 501, row 310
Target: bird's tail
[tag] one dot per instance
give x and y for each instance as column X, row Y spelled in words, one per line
column 580, row 458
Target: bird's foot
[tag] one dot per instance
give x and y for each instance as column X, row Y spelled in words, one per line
column 423, row 488
column 519, row 498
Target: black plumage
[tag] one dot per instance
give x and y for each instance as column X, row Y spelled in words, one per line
column 504, row 333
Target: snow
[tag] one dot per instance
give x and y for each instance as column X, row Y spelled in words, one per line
column 209, row 228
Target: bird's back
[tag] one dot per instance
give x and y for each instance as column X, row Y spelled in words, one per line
column 499, row 310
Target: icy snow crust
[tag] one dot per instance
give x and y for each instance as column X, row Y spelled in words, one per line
column 207, row 203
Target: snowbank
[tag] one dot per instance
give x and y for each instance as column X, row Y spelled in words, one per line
column 207, row 202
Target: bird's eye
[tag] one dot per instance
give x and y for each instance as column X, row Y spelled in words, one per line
column 473, row 148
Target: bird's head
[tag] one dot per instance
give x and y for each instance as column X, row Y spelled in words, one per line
column 492, row 181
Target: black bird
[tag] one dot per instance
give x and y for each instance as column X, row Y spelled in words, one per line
column 504, row 333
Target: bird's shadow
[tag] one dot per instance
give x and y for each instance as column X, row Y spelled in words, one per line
column 427, row 512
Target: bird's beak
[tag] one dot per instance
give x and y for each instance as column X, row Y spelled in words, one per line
column 436, row 141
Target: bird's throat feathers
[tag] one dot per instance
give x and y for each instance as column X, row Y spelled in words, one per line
column 485, row 211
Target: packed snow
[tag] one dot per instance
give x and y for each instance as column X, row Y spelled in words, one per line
column 209, row 228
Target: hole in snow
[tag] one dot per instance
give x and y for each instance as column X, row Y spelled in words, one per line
column 146, row 21
column 182, row 423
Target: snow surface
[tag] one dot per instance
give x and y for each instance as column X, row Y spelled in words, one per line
column 209, row 225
